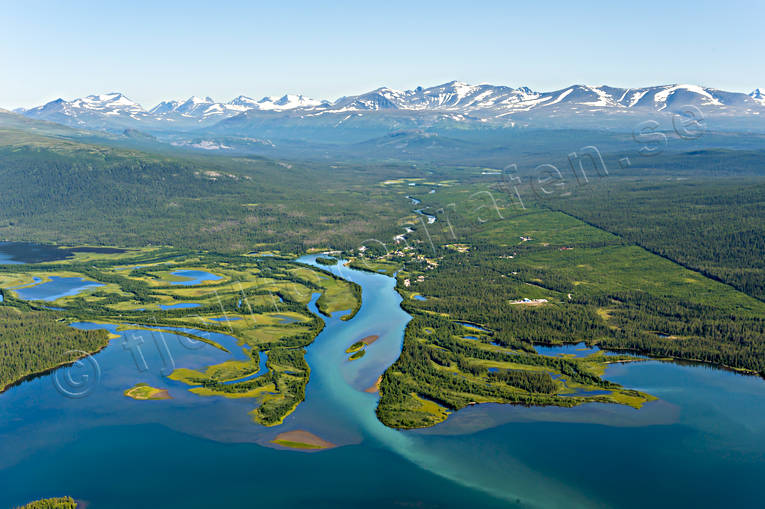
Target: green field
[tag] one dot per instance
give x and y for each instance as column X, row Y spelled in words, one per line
column 713, row 226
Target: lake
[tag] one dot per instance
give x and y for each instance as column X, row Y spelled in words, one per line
column 25, row 252
column 194, row 277
column 702, row 444
column 29, row 252
column 56, row 288
column 180, row 305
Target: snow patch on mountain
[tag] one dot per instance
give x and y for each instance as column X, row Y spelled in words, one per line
column 661, row 98
column 286, row 102
column 453, row 101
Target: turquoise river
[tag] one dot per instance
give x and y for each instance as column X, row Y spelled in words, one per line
column 702, row 444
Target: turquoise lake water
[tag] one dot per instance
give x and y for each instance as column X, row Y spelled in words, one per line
column 702, row 444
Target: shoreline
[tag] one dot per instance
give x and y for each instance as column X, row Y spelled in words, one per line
column 681, row 361
column 356, row 288
column 302, row 440
column 154, row 393
column 368, row 340
column 374, row 388
column 47, row 371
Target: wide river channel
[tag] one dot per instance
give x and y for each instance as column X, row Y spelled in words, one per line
column 73, row 432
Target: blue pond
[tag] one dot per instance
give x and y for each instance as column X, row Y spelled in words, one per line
column 577, row 350
column 194, row 277
column 472, row 326
column 181, row 305
column 586, row 393
column 226, row 319
column 56, row 288
column 419, row 297
column 285, row 319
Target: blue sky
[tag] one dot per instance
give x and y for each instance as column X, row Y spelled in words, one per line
column 222, row 49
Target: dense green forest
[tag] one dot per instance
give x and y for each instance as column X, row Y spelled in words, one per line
column 442, row 367
column 34, row 341
column 535, row 276
column 131, row 198
column 714, row 226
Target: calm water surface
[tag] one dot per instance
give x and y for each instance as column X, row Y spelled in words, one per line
column 24, row 252
column 702, row 444
column 56, row 288
column 194, row 277
column 180, row 305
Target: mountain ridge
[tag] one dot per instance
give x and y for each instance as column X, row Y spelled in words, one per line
column 454, row 101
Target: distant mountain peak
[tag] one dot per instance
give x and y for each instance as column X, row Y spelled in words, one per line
column 242, row 100
column 287, row 102
column 195, row 99
column 455, row 100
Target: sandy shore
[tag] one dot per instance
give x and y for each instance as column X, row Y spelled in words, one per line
column 161, row 394
column 144, row 392
column 362, row 343
column 301, row 439
column 375, row 387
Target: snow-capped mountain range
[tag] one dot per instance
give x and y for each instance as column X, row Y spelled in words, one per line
column 115, row 108
column 204, row 107
column 487, row 101
column 455, row 100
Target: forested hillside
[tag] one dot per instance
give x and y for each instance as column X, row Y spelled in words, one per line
column 716, row 226
column 67, row 192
